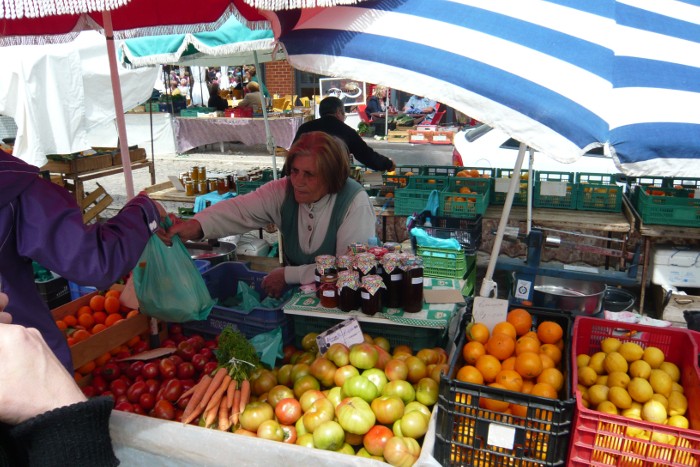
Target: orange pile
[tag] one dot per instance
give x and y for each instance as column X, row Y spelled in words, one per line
column 516, row 357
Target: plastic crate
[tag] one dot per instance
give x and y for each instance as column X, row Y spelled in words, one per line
column 455, row 203
column 501, row 184
column 598, row 192
column 667, row 206
column 440, row 262
column 466, row 231
column 414, row 337
column 602, row 439
column 469, row 435
column 401, row 175
column 77, row 291
column 415, row 196
column 451, row 171
column 559, row 190
column 202, row 265
column 687, row 183
column 222, row 281
column 55, row 291
column 243, row 187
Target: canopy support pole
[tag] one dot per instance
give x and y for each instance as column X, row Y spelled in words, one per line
column 118, row 104
column 268, row 132
column 489, row 288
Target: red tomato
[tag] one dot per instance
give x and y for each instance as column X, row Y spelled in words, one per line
column 288, row 411
column 167, row 368
column 172, row 390
column 164, row 409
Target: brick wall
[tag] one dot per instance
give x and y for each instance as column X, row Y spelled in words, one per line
column 279, row 77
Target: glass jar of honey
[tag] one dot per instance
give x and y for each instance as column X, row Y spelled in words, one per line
column 189, row 188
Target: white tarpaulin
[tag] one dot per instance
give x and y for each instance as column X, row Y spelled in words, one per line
column 57, row 93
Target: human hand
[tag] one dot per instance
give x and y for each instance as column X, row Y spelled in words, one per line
column 186, row 230
column 274, row 284
column 5, row 318
column 33, row 380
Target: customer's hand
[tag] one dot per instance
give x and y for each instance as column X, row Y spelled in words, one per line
column 274, row 284
column 5, row 318
column 33, row 380
column 186, row 230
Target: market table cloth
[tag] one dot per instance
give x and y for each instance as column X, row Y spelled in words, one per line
column 193, row 132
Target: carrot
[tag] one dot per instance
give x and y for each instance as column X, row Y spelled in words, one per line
column 216, row 381
column 210, row 416
column 232, row 386
column 219, row 394
column 224, row 421
column 235, row 407
column 245, row 395
column 191, row 410
column 187, row 393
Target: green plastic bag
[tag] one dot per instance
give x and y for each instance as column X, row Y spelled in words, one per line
column 269, row 346
column 168, row 285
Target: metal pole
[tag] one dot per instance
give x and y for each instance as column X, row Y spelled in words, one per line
column 268, row 132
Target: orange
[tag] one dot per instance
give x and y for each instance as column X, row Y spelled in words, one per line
column 544, row 390
column 70, row 320
column 132, row 313
column 86, row 320
column 118, row 349
column 471, row 351
column 478, row 332
column 553, row 377
column 470, row 374
column 526, row 344
column 518, row 410
column 508, row 363
column 520, row 319
column 547, row 361
column 61, row 325
column 528, row 364
column 99, row 317
column 500, row 346
column 102, row 359
column 113, row 293
column 133, row 341
column 83, row 309
column 528, row 384
column 532, row 334
column 549, row 332
column 71, row 341
column 510, row 379
column 112, row 319
column 87, row 368
column 112, row 305
column 493, row 404
column 80, row 335
column 97, row 328
column 552, row 351
column 505, row 327
column 489, row 366
column 97, row 303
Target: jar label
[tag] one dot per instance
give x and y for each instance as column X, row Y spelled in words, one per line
column 329, row 293
column 364, row 295
column 396, row 277
column 416, row 280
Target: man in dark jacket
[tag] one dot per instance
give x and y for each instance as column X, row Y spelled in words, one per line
column 332, row 121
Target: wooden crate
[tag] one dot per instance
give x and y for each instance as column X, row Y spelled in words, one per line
column 79, row 164
column 104, row 341
column 420, row 136
column 397, row 136
column 135, row 155
column 442, row 137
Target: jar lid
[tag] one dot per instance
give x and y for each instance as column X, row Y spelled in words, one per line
column 325, row 262
column 365, row 262
column 372, row 283
column 391, row 261
column 344, row 261
column 348, row 278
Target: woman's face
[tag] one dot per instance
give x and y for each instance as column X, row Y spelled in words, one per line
column 308, row 184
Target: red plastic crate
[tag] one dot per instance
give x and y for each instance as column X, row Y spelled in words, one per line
column 603, row 439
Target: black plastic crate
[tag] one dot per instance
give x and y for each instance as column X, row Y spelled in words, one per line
column 466, row 231
column 55, row 291
column 467, row 434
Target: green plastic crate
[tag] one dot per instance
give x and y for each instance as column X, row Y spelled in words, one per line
column 598, row 192
column 545, row 181
column 673, row 207
column 454, row 203
column 414, row 337
column 451, row 170
column 441, row 262
column 414, row 197
column 469, row 287
column 401, row 175
column 244, row 187
column 499, row 197
column 687, row 183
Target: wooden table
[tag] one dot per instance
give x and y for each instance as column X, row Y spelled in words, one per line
column 165, row 191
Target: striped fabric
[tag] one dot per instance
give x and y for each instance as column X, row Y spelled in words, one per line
column 562, row 76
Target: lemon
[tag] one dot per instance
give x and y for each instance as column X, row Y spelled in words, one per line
column 584, row 391
column 677, row 387
column 620, row 397
column 672, row 370
column 596, row 362
column 661, row 398
column 677, row 404
column 607, row 407
column 602, row 379
column 587, row 376
column 615, row 361
column 678, row 421
column 635, row 411
column 618, row 378
column 653, row 411
column 640, row 369
column 640, row 390
column 597, row 394
column 661, row 382
column 610, row 344
column 582, row 360
column 631, row 351
column 654, row 356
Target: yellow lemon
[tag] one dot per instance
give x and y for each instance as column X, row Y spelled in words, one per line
column 654, row 356
column 620, row 397
column 610, row 344
column 615, row 361
column 582, row 360
column 677, row 404
column 596, row 362
column 631, row 351
column 672, row 369
column 640, row 369
column 661, row 382
column 640, row 390
column 587, row 376
column 654, row 411
column 618, row 378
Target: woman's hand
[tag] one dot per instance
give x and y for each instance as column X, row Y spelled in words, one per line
column 274, row 284
column 5, row 318
column 186, row 230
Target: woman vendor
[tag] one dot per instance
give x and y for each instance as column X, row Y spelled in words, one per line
column 318, row 209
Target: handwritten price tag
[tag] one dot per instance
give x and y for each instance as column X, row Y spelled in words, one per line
column 347, row 332
column 489, row 311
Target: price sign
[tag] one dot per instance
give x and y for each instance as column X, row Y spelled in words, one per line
column 489, row 311
column 346, row 332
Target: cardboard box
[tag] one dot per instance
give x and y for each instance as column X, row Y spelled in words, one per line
column 104, row 341
column 679, row 267
column 443, row 137
column 420, row 136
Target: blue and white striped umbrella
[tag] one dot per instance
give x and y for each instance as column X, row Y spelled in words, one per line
column 562, row 76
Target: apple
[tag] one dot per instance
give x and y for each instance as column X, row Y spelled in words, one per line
column 361, row 386
column 376, row 438
column 329, row 436
column 414, row 424
column 401, row 451
column 338, row 353
column 396, row 369
column 355, row 415
column 272, row 430
column 427, row 391
column 336, row 396
column 320, row 411
column 388, row 409
column 288, row 411
column 363, row 356
column 279, row 392
column 377, row 376
column 323, row 370
column 254, row 414
column 307, row 440
column 309, row 397
column 400, row 388
column 344, row 373
column 415, row 405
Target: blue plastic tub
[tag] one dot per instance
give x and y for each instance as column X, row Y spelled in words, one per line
column 77, row 291
column 202, row 265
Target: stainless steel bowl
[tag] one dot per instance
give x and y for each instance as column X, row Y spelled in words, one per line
column 577, row 296
column 213, row 251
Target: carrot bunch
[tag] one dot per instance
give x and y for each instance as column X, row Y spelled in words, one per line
column 217, row 399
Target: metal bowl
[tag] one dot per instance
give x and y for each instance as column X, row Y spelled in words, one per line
column 215, row 252
column 577, row 296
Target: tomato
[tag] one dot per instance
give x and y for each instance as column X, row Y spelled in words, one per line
column 344, row 373
column 118, row 387
column 254, row 414
column 284, row 375
column 172, row 390
column 197, row 341
column 211, row 344
column 387, row 409
column 363, row 356
column 329, row 436
column 186, row 350
column 263, row 383
column 140, row 347
column 376, row 438
column 148, row 401
column 321, row 410
column 355, row 415
column 323, row 370
column 427, row 391
column 150, row 371
column 89, row 391
column 111, row 371
column 124, row 407
column 138, row 409
column 377, row 376
column 135, row 390
column 270, row 429
column 339, row 354
column 175, row 328
column 288, row 411
column 168, row 343
column 153, row 386
column 100, row 384
column 288, row 351
column 209, row 368
column 164, row 409
column 279, row 392
column 185, row 370
column 401, row 451
column 176, row 359
column 290, row 434
column 414, row 424
column 198, row 361
column 207, row 352
column 299, row 370
column 134, row 369
column 361, row 386
column 167, row 368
